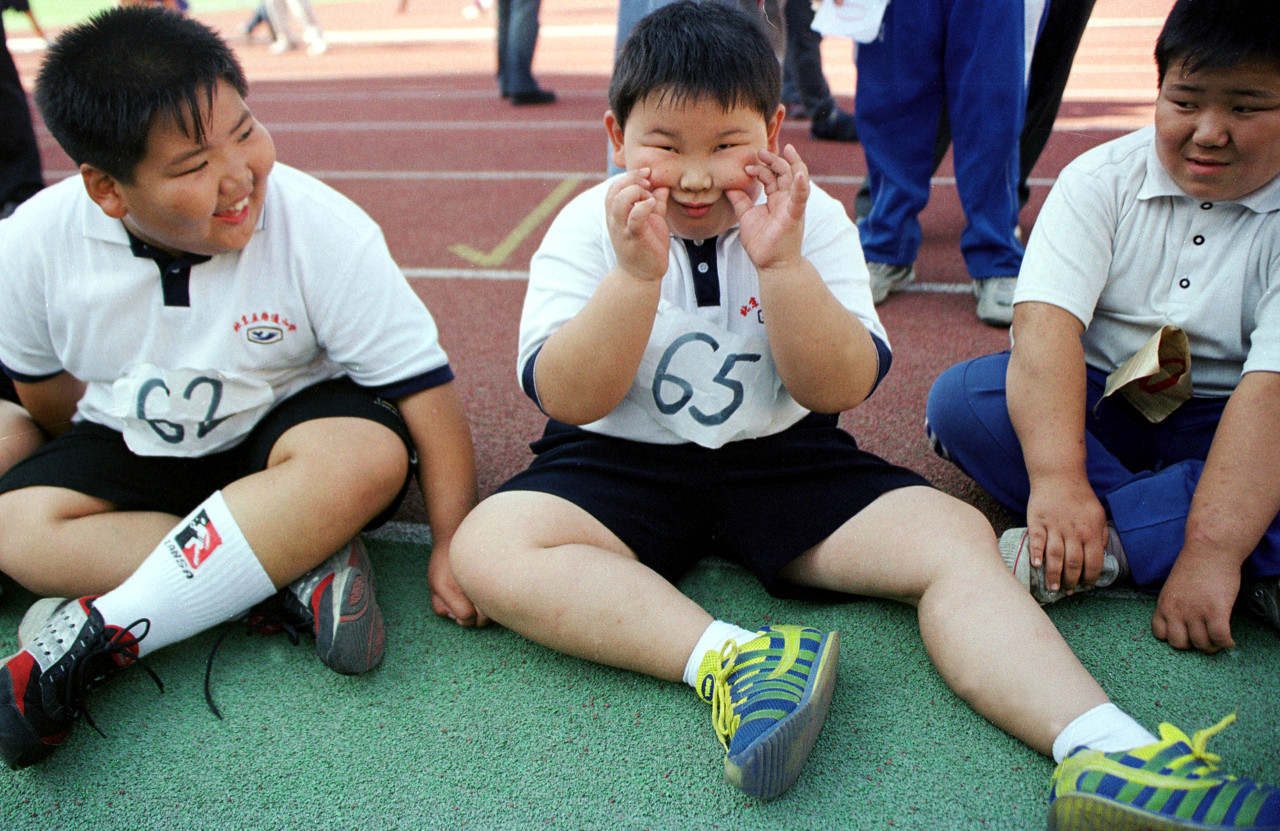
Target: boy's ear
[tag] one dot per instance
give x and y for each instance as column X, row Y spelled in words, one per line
column 775, row 127
column 104, row 190
column 615, row 137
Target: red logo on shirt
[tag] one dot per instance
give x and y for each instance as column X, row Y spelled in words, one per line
column 746, row 308
column 258, row 322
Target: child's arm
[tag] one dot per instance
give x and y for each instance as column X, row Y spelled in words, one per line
column 585, row 369
column 1235, row 501
column 1045, row 386
column 52, row 402
column 825, row 356
column 437, row 421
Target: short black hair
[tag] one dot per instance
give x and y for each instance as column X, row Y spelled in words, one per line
column 1218, row 34
column 690, row 50
column 106, row 82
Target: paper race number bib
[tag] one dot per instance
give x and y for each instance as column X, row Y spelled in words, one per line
column 186, row 412
column 706, row 384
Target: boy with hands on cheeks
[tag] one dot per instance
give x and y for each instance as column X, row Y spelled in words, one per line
column 693, row 328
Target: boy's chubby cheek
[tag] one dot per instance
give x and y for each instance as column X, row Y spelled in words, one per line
column 737, row 178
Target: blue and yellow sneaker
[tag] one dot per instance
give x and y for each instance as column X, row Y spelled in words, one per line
column 1171, row 784
column 769, row 698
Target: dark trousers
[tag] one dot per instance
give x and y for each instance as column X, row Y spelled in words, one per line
column 1055, row 52
column 20, row 175
column 517, row 39
column 1144, row 474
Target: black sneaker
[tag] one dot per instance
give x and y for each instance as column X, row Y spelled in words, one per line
column 1263, row 596
column 532, row 98
column 830, row 123
column 65, row 652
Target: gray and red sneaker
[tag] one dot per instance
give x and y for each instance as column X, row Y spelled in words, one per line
column 65, row 652
column 335, row 602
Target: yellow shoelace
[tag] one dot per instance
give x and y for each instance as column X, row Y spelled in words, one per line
column 1198, row 743
column 723, row 718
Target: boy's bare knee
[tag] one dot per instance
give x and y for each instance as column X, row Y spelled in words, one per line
column 361, row 459
column 474, row 546
column 29, row 519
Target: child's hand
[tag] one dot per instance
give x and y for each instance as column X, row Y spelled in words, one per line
column 1067, row 529
column 1194, row 609
column 447, row 598
column 637, row 218
column 772, row 232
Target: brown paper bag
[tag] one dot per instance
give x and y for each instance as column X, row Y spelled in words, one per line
column 1158, row 378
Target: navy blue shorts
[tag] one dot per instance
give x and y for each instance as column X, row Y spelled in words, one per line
column 758, row 502
column 7, row 392
column 95, row 460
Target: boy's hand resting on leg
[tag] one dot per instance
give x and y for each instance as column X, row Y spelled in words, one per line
column 773, row 231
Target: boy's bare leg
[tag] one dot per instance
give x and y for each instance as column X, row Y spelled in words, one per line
column 545, row 568
column 61, row 543
column 988, row 638
column 324, row 481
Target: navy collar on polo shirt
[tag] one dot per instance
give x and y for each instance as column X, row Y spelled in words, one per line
column 175, row 270
column 706, row 277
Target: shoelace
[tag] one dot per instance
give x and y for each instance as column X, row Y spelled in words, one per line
column 723, row 718
column 119, row 646
column 1199, row 754
column 274, row 617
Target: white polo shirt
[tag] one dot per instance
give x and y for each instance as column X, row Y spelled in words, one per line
column 1120, row 246
column 313, row 296
column 707, row 375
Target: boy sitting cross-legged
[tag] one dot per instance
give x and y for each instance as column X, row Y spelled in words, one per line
column 258, row 381
column 702, row 318
column 1177, row 225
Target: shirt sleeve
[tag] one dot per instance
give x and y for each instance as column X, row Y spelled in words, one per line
column 370, row 321
column 1264, row 340
column 26, row 346
column 831, row 243
column 1069, row 254
column 564, row 273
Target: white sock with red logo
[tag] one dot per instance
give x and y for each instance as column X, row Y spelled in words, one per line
column 202, row 573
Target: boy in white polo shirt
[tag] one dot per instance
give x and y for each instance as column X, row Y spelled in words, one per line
column 1175, row 225
column 238, row 348
column 702, row 318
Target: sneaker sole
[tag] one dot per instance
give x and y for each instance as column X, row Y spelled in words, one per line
column 19, row 744
column 773, row 762
column 36, row 617
column 349, row 629
column 1089, row 812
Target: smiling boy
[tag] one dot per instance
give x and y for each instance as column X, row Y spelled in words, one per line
column 251, row 381
column 1177, row 224
column 693, row 327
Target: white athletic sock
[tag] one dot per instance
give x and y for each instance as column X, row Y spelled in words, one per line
column 713, row 640
column 202, row 573
column 1106, row 728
